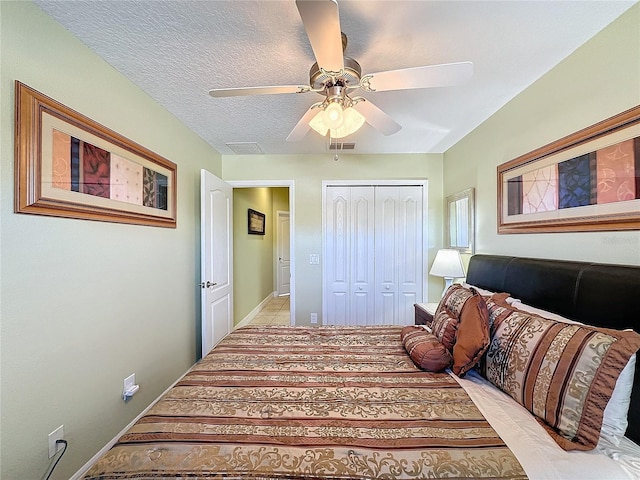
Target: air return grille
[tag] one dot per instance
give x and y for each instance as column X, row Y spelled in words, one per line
column 342, row 146
column 244, row 148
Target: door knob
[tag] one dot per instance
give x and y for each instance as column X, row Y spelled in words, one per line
column 387, row 287
column 207, row 284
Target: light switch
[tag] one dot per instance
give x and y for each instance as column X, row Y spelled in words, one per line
column 314, row 259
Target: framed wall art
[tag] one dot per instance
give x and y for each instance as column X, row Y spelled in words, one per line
column 256, row 222
column 67, row 165
column 587, row 181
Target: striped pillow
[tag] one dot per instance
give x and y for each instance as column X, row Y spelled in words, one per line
column 454, row 299
column 444, row 327
column 425, row 350
column 562, row 373
column 447, row 316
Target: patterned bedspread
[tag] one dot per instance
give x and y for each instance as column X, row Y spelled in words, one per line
column 322, row 403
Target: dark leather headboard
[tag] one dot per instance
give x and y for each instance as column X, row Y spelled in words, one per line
column 580, row 291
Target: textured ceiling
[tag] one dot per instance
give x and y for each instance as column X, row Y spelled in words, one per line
column 177, row 50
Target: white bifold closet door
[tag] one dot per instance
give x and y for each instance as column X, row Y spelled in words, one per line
column 373, row 254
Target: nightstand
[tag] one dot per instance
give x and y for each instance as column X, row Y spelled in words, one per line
column 424, row 313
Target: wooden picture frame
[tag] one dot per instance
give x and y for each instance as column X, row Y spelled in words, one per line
column 67, row 165
column 587, row 181
column 256, row 222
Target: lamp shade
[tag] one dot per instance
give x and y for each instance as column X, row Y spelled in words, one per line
column 317, row 123
column 353, row 120
column 447, row 264
column 333, row 116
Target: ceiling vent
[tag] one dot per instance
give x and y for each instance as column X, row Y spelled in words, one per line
column 339, row 146
column 244, row 148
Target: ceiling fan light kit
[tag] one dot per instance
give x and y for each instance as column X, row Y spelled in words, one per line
column 352, row 120
column 333, row 75
column 333, row 116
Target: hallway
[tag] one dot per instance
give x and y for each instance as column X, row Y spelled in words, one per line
column 276, row 312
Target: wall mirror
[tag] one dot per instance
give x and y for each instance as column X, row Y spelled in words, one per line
column 460, row 221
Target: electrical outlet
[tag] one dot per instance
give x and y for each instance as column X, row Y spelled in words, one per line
column 129, row 382
column 314, row 318
column 130, row 387
column 57, row 434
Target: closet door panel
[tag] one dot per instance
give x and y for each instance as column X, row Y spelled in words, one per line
column 337, row 275
column 409, row 252
column 386, row 259
column 362, row 255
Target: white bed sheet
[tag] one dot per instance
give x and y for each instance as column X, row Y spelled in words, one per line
column 538, row 453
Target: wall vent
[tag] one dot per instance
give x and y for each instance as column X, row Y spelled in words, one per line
column 342, row 146
column 244, row 148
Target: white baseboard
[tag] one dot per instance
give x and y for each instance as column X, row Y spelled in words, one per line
column 252, row 314
column 85, row 468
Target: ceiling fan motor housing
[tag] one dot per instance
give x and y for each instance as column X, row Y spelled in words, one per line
column 349, row 77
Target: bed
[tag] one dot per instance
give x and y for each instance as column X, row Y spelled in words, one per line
column 349, row 402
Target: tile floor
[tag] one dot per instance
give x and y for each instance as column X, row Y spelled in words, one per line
column 276, row 312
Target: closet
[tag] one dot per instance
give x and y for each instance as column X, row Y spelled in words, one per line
column 373, row 254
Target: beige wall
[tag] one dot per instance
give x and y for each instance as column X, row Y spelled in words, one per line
column 597, row 81
column 84, row 304
column 308, row 172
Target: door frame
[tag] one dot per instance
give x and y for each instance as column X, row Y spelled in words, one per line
column 416, row 182
column 291, row 185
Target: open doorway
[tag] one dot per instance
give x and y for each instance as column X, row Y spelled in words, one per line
column 259, row 261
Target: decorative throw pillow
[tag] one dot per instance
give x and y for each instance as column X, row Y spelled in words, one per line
column 454, row 299
column 445, row 320
column 425, row 350
column 472, row 338
column 498, row 309
column 562, row 373
column 614, row 421
column 444, row 327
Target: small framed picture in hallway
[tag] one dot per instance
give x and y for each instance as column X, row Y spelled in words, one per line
column 256, row 222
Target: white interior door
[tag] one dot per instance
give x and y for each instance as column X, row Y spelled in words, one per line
column 349, row 256
column 410, row 252
column 361, row 254
column 283, row 251
column 398, row 240
column 373, row 254
column 336, row 309
column 216, row 220
column 386, row 241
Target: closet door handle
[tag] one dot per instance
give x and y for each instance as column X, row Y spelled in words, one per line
column 207, row 285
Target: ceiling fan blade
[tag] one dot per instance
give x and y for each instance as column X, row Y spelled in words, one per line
column 428, row 76
column 244, row 91
column 322, row 24
column 302, row 127
column 377, row 118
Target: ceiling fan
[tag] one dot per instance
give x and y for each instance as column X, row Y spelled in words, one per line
column 336, row 77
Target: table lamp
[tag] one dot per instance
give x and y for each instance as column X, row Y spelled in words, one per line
column 447, row 264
